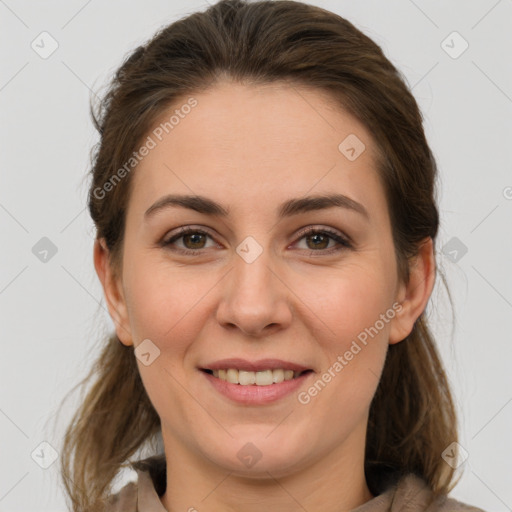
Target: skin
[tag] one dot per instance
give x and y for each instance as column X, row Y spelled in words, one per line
column 252, row 148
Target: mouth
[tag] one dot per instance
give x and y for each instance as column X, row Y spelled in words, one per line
column 266, row 377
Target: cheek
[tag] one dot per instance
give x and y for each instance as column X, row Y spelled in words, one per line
column 349, row 300
column 355, row 343
column 165, row 306
column 163, row 303
column 353, row 308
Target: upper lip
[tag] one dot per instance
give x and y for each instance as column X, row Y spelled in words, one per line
column 254, row 366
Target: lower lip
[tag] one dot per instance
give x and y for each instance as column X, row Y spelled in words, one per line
column 253, row 394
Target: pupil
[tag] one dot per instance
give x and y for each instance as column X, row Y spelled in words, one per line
column 188, row 237
column 316, row 236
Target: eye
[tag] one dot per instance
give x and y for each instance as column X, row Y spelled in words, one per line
column 317, row 240
column 193, row 240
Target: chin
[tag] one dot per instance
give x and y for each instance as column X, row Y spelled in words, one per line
column 258, row 455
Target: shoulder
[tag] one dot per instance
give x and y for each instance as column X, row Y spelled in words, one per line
column 144, row 493
column 125, row 500
column 412, row 493
column 452, row 505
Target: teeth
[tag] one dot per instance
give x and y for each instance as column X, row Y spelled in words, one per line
column 263, row 378
column 246, row 378
column 232, row 376
column 277, row 376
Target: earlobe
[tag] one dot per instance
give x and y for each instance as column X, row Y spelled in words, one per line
column 112, row 291
column 414, row 295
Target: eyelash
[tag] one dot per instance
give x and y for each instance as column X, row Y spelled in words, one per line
column 343, row 241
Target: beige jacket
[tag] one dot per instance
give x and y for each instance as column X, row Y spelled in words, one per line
column 410, row 494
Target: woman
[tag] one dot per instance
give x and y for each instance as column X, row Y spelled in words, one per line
column 263, row 195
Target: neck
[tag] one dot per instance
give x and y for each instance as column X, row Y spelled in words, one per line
column 335, row 483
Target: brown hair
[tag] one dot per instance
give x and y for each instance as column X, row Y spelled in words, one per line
column 412, row 416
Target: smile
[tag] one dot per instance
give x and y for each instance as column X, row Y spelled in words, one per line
column 260, row 378
column 252, row 388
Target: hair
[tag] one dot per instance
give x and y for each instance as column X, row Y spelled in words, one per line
column 412, row 418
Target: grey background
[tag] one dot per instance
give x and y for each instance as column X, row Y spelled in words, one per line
column 53, row 313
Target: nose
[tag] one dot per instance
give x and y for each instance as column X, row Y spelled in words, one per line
column 255, row 298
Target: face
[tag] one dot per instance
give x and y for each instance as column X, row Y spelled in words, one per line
column 263, row 274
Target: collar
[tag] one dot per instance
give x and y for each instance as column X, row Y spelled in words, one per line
column 410, row 493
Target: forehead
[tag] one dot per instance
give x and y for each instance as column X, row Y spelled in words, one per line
column 246, row 144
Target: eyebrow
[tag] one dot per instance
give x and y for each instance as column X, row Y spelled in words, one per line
column 289, row 208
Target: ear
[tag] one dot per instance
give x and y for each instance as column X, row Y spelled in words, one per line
column 414, row 295
column 113, row 291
